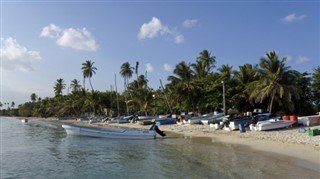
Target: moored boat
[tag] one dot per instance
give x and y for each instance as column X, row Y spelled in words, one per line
column 213, row 119
column 234, row 125
column 166, row 121
column 112, row 134
column 270, row 125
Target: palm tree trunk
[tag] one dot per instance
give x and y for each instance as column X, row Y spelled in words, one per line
column 271, row 104
column 125, row 95
column 90, row 84
column 84, row 83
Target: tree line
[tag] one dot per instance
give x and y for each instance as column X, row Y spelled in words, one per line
column 192, row 87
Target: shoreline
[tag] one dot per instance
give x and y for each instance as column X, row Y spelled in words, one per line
column 287, row 142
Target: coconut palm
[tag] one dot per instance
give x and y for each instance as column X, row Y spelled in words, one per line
column 204, row 64
column 33, row 97
column 246, row 74
column 276, row 81
column 88, row 70
column 59, row 86
column 126, row 72
column 75, row 85
column 182, row 83
column 316, row 86
column 137, row 70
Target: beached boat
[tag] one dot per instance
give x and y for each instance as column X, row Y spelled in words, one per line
column 247, row 120
column 112, row 134
column 164, row 116
column 165, row 121
column 234, row 125
column 270, row 125
column 213, row 119
column 196, row 120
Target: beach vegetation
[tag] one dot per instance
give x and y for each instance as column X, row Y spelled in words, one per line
column 192, row 87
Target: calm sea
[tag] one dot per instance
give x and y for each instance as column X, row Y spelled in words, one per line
column 43, row 150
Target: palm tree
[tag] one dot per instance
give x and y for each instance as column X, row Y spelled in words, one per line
column 204, row 65
column 75, row 85
column 316, row 86
column 246, row 74
column 181, row 83
column 126, row 72
column 59, row 86
column 137, row 70
column 33, row 97
column 276, row 81
column 88, row 70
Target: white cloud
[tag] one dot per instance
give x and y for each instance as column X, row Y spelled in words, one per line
column 179, row 39
column 51, row 31
column 168, row 67
column 302, row 60
column 293, row 17
column 155, row 28
column 149, row 68
column 79, row 39
column 17, row 57
column 188, row 23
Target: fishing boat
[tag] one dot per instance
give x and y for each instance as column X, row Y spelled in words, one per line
column 112, row 134
column 213, row 119
column 270, row 125
column 166, row 121
column 234, row 125
column 196, row 120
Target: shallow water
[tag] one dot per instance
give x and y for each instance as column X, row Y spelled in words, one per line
column 43, row 150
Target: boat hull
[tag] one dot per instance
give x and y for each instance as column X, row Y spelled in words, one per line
column 271, row 125
column 166, row 121
column 112, row 134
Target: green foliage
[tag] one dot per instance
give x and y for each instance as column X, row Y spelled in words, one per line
column 192, row 87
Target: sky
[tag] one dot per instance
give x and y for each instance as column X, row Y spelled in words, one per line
column 42, row 41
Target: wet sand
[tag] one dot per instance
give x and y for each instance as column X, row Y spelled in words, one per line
column 287, row 142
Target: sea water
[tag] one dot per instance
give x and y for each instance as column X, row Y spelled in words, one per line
column 43, row 150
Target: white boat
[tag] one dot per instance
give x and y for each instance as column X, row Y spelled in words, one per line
column 270, row 125
column 112, row 134
column 24, row 120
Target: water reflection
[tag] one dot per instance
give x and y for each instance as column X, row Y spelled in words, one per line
column 40, row 149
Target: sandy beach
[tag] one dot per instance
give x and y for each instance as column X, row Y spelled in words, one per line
column 289, row 142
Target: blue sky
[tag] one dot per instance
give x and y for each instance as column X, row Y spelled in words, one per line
column 42, row 41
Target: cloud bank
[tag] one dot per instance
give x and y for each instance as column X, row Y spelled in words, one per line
column 80, row 39
column 17, row 57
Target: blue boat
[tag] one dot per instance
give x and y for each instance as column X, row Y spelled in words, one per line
column 166, row 121
column 246, row 121
column 213, row 119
